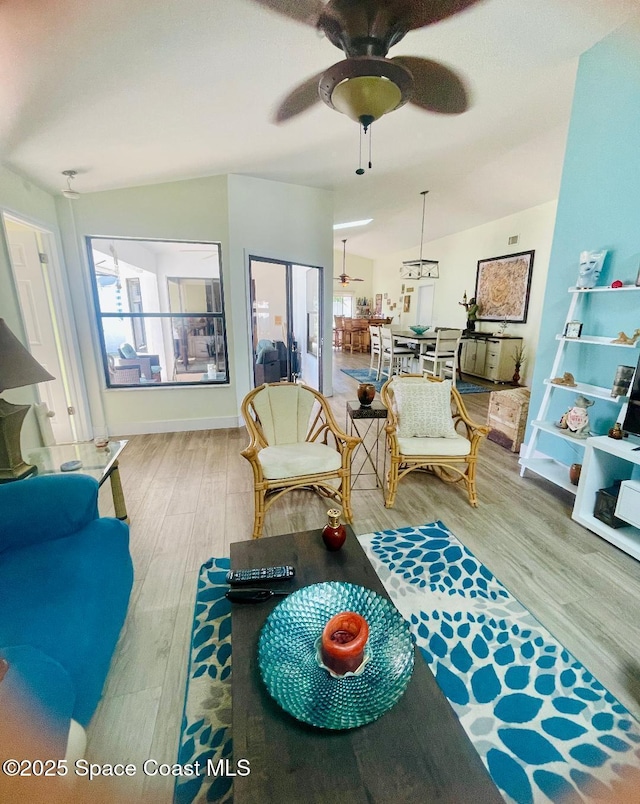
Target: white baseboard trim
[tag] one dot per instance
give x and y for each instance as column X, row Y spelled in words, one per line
column 175, row 426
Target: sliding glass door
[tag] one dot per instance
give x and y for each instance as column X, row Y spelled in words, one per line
column 286, row 322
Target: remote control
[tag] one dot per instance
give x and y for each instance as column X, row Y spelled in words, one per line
column 261, row 575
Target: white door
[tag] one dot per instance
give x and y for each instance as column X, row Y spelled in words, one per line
column 34, row 293
column 424, row 309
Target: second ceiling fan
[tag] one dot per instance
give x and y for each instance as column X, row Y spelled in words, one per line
column 344, row 277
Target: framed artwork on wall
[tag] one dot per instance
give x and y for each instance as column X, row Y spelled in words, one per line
column 378, row 309
column 502, row 287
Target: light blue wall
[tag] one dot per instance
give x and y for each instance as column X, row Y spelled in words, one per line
column 598, row 208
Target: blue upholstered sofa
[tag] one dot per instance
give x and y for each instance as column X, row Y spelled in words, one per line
column 65, row 580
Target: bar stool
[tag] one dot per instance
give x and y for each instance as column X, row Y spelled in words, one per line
column 353, row 336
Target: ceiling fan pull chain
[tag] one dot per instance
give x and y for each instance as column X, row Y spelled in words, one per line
column 370, row 138
column 360, row 169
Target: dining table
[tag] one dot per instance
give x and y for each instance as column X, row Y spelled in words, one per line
column 409, row 338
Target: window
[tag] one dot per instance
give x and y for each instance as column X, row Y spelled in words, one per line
column 168, row 326
column 343, row 305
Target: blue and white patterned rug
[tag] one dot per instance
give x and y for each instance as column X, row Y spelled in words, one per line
column 366, row 375
column 545, row 728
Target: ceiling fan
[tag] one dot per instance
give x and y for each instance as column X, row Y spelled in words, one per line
column 367, row 84
column 344, row 278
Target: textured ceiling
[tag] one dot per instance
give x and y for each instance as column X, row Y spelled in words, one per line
column 140, row 91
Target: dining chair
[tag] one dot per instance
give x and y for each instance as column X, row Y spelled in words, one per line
column 442, row 362
column 338, row 331
column 397, row 358
column 295, row 443
column 428, row 428
column 376, row 349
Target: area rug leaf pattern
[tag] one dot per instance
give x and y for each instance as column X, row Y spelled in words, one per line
column 546, row 729
column 366, row 375
column 206, row 720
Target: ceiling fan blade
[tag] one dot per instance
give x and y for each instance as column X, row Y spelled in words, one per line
column 426, row 12
column 306, row 11
column 299, row 100
column 436, row 88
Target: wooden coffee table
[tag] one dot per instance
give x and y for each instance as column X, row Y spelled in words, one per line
column 416, row 752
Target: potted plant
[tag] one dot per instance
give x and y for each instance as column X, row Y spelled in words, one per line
column 519, row 359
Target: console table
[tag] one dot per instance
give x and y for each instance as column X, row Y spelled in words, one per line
column 416, row 752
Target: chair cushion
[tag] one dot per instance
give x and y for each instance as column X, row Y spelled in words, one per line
column 284, row 412
column 424, row 409
column 294, row 460
column 458, row 446
column 127, row 351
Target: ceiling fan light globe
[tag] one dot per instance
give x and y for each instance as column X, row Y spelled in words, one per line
column 366, row 96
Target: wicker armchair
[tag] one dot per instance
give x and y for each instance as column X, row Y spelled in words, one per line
column 295, row 443
column 452, row 458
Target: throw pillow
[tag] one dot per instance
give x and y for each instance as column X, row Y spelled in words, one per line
column 424, row 409
column 127, row 351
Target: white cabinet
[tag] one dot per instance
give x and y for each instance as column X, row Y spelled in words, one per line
column 605, row 462
column 473, row 357
column 500, row 363
column 628, row 507
column 489, row 357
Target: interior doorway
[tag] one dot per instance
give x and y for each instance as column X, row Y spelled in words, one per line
column 35, row 267
column 286, row 322
column 424, row 307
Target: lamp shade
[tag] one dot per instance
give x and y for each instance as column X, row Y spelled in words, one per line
column 17, row 366
column 368, row 96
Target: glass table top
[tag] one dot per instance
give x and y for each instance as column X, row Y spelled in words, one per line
column 96, row 461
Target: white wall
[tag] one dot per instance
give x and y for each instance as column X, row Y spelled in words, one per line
column 194, row 210
column 247, row 216
column 458, row 256
column 282, row 222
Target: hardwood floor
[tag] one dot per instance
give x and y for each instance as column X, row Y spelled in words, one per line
column 189, row 495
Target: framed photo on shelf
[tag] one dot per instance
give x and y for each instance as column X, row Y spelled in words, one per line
column 573, row 329
column 502, row 287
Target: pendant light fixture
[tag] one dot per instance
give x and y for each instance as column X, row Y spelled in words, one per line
column 67, row 192
column 421, row 269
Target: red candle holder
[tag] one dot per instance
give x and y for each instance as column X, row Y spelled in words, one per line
column 343, row 641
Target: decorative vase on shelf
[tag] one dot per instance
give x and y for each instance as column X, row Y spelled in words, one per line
column 334, row 533
column 366, row 394
column 574, row 473
column 616, row 432
column 516, row 376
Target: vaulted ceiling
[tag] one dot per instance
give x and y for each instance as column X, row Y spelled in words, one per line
column 142, row 91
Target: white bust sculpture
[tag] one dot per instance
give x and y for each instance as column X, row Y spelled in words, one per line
column 590, row 266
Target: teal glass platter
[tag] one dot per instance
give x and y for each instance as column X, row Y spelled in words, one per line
column 288, row 661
